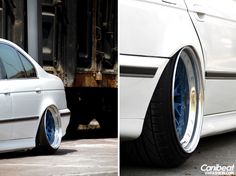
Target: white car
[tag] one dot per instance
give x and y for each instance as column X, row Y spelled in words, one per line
column 33, row 105
column 177, row 76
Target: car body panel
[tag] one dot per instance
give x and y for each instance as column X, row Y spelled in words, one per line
column 218, row 123
column 157, row 29
column 6, row 110
column 25, row 101
column 144, row 29
column 25, row 104
column 134, row 100
column 219, row 97
column 19, row 144
column 215, row 22
column 148, row 40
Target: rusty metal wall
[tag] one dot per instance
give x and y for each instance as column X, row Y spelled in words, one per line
column 84, row 53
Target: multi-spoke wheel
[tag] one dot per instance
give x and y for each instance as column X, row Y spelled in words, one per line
column 186, row 101
column 172, row 125
column 50, row 133
column 181, row 97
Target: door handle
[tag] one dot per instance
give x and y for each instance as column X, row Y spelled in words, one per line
column 38, row 90
column 200, row 10
column 6, row 92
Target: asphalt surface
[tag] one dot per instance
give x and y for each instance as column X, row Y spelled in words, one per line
column 220, row 149
column 74, row 158
column 99, row 157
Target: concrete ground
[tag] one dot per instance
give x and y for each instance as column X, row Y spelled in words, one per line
column 74, row 158
column 213, row 150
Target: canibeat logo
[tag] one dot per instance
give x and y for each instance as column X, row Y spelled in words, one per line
column 217, row 169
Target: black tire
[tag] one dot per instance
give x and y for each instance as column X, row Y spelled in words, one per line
column 49, row 133
column 159, row 144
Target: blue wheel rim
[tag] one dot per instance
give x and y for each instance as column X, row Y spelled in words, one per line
column 181, row 99
column 50, row 127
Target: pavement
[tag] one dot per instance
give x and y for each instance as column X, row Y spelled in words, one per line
column 98, row 157
column 220, row 149
column 78, row 157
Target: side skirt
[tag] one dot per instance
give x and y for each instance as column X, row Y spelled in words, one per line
column 218, row 123
column 19, row 144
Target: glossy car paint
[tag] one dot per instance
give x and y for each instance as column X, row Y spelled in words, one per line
column 147, row 40
column 215, row 23
column 153, row 31
column 133, row 100
column 24, row 101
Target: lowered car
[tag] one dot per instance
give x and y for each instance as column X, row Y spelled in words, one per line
column 177, row 76
column 33, row 106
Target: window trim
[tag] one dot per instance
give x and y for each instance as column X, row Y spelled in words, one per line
column 4, row 70
column 18, row 54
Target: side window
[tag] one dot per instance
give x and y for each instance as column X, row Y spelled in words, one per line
column 29, row 68
column 11, row 62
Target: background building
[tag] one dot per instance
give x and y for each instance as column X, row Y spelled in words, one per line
column 75, row 40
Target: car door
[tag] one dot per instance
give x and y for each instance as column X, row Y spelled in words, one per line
column 215, row 23
column 28, row 95
column 6, row 106
column 25, row 92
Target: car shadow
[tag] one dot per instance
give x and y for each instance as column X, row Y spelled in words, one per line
column 33, row 153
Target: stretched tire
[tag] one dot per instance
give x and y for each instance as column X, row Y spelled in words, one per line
column 49, row 133
column 173, row 121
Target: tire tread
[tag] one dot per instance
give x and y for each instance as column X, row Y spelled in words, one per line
column 155, row 145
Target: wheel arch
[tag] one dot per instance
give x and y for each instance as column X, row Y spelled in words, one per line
column 46, row 103
column 134, row 129
column 158, row 143
column 198, row 58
